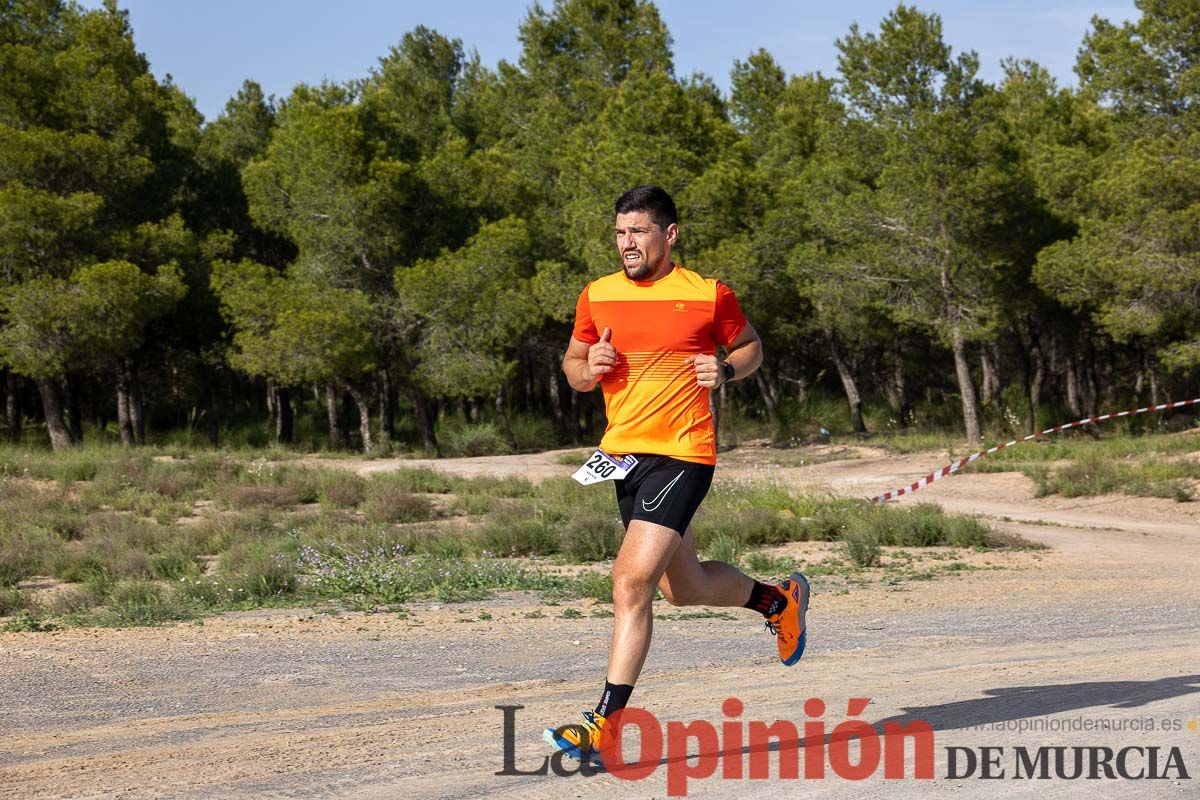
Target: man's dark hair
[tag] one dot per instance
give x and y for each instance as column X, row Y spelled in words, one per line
column 651, row 199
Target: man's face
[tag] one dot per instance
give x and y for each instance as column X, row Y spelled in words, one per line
column 644, row 247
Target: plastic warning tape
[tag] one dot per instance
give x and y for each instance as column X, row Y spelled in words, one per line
column 950, row 469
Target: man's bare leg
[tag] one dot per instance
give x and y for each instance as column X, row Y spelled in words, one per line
column 688, row 581
column 641, row 562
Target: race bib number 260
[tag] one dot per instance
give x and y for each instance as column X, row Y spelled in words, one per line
column 600, row 466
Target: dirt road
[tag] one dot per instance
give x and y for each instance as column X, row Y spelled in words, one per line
column 1060, row 648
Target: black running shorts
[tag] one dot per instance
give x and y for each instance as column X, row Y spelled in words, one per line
column 663, row 490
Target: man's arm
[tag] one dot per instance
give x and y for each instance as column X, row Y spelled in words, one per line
column 584, row 363
column 744, row 354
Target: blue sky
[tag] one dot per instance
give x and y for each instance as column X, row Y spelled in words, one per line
column 211, row 46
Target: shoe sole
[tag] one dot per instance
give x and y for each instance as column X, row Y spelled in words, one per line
column 798, row 577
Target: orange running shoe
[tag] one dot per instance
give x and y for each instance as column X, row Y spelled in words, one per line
column 788, row 625
column 581, row 742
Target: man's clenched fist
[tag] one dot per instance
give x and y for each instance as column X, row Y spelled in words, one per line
column 602, row 356
column 708, row 370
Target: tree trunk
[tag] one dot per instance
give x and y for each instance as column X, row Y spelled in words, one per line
column 554, row 393
column 1152, row 368
column 1091, row 393
column 990, row 384
column 12, row 406
column 1035, row 362
column 73, row 415
column 525, row 401
column 60, row 435
column 966, row 388
column 770, row 400
column 896, row 389
column 136, row 417
column 801, row 387
column 1035, row 385
column 206, row 416
column 124, row 420
column 722, row 408
column 1073, row 385
column 502, row 416
column 426, row 419
column 283, row 415
column 336, row 437
column 589, row 415
column 576, row 426
column 387, row 407
column 272, row 400
column 715, row 412
column 848, row 385
column 364, row 417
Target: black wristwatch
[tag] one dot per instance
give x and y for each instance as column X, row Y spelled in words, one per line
column 727, row 370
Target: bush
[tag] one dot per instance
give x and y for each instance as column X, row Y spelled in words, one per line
column 140, row 602
column 532, row 433
column 759, row 563
column 861, row 547
column 12, row 599
column 177, row 562
column 481, row 439
column 305, row 482
column 28, row 621
column 752, row 526
column 507, row 486
column 112, row 544
column 391, row 575
column 517, row 532
column 418, row 479
column 263, row 496
column 725, row 547
column 594, row 584
column 216, row 532
column 591, row 536
column 259, row 570
column 387, row 501
column 19, row 558
column 341, row 489
column 72, row 600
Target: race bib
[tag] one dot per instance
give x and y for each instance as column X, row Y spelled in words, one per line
column 600, row 466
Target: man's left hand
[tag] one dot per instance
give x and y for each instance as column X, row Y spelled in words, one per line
column 708, row 370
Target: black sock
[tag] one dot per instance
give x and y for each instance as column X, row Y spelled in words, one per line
column 615, row 697
column 767, row 599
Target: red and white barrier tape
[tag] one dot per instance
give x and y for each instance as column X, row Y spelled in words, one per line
column 950, row 469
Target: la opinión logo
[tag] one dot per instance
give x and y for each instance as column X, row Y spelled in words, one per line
column 743, row 749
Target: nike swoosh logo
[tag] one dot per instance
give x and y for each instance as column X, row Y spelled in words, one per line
column 661, row 495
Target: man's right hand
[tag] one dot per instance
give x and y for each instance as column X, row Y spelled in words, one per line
column 602, row 356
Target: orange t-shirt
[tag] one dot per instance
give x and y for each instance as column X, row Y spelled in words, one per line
column 651, row 397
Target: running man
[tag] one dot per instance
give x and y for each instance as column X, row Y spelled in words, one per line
column 648, row 336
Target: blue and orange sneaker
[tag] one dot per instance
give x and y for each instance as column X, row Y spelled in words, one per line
column 788, row 625
column 580, row 741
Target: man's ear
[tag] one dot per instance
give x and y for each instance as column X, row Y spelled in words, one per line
column 672, row 233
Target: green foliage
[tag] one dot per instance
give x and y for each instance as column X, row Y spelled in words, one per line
column 1135, row 266
column 292, row 331
column 591, row 536
column 862, row 548
column 389, row 501
column 474, row 304
column 473, row 439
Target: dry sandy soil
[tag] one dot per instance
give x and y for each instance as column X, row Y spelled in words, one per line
column 1099, row 631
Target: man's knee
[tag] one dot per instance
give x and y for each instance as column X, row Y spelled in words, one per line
column 631, row 591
